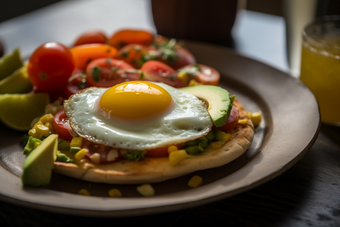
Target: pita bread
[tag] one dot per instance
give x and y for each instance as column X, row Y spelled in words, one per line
column 151, row 170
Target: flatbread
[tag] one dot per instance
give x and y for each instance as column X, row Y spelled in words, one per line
column 151, row 170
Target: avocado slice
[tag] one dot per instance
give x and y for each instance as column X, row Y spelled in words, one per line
column 38, row 165
column 17, row 82
column 218, row 100
column 9, row 63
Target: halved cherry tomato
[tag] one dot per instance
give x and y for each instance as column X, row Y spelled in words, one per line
column 159, row 72
column 50, row 66
column 127, row 36
column 135, row 54
column 161, row 151
column 177, row 58
column 107, row 72
column 94, row 36
column 62, row 126
column 232, row 120
column 101, row 149
column 75, row 84
column 84, row 54
column 202, row 74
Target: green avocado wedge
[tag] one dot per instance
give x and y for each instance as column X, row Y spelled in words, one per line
column 9, row 63
column 218, row 100
column 38, row 165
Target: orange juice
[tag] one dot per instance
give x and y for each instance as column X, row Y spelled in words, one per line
column 320, row 71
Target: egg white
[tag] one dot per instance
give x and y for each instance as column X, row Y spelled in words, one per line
column 188, row 120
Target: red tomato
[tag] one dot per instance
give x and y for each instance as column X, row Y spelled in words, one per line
column 134, row 54
column 89, row 37
column 107, row 72
column 176, row 58
column 126, row 36
column 101, row 149
column 84, row 54
column 50, row 66
column 232, row 120
column 62, row 126
column 202, row 74
column 159, row 72
column 161, row 151
column 75, row 84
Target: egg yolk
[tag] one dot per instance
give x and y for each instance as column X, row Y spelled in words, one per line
column 135, row 100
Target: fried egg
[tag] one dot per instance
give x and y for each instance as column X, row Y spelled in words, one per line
column 137, row 115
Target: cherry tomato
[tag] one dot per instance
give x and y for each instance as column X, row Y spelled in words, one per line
column 159, row 72
column 127, row 36
column 134, row 54
column 84, row 54
column 160, row 41
column 202, row 74
column 75, row 84
column 232, row 120
column 94, row 36
column 50, row 66
column 102, row 150
column 161, row 151
column 107, row 72
column 62, row 126
column 179, row 58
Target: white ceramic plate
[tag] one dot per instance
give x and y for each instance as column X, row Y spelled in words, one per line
column 289, row 128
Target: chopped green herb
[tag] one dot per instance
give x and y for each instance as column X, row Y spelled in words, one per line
column 134, row 155
column 141, row 75
column 108, row 61
column 43, row 76
column 125, row 54
column 114, row 69
column 96, row 73
column 173, row 77
column 194, row 150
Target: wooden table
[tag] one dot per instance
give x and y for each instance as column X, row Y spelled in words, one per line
column 308, row 194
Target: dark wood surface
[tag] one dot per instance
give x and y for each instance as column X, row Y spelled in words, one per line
column 308, row 194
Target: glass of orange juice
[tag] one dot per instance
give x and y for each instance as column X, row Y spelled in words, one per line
column 320, row 65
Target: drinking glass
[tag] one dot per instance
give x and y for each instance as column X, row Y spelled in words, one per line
column 320, row 65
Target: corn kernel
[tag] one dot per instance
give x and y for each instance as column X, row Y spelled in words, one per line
column 242, row 121
column 256, row 118
column 32, row 132
column 195, row 181
column 193, row 83
column 80, row 154
column 115, row 193
column 76, row 142
column 172, row 148
column 184, row 77
column 84, row 192
column 222, row 136
column 49, row 126
column 217, row 144
column 47, row 118
column 95, row 158
column 146, row 190
column 38, row 123
column 176, row 156
column 43, row 130
column 36, row 144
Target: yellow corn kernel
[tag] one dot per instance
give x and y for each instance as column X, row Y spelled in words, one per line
column 49, row 126
column 76, row 142
column 184, row 77
column 193, row 83
column 256, row 118
column 217, row 144
column 80, row 154
column 115, row 193
column 47, row 118
column 36, row 144
column 223, row 136
column 84, row 192
column 32, row 132
column 195, row 181
column 176, row 156
column 38, row 123
column 146, row 190
column 43, row 130
column 242, row 121
column 172, row 148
